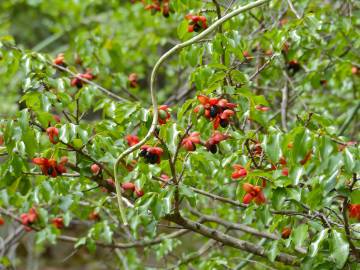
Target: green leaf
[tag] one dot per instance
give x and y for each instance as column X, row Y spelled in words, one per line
column 300, row 234
column 315, row 246
column 349, row 160
column 339, row 249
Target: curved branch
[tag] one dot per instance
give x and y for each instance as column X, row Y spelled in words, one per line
column 162, row 59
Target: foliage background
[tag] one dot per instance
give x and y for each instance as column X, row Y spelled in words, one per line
column 116, row 38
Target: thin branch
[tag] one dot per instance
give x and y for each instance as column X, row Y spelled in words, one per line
column 292, row 8
column 235, row 226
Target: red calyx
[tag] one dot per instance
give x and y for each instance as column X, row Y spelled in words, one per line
column 239, row 172
column 132, row 139
column 128, row 186
column 285, row 233
column 285, row 171
column 261, row 108
column 189, row 142
column 306, row 158
column 293, row 66
column 78, row 82
column 58, row 222
column 94, row 216
column 50, row 167
column 214, row 140
column 354, row 211
column 2, row 221
column 29, row 218
column 253, row 193
column 110, row 182
column 53, row 134
column 133, row 80
column 95, row 169
column 59, row 60
column 282, row 161
column 139, row 192
column 165, row 178
column 164, row 114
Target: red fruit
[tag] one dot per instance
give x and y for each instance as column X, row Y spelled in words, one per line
column 354, row 70
column 59, row 60
column 239, row 172
column 285, row 233
column 260, row 198
column 133, row 80
column 110, row 182
column 248, row 187
column 189, row 142
column 53, row 134
column 139, row 192
column 253, row 193
column 128, row 186
column 132, row 139
column 30, row 217
column 323, row 82
column 247, row 55
column 164, row 114
column 294, row 66
column 94, row 216
column 261, row 108
column 282, row 161
column 95, row 169
column 2, row 221
column 165, row 178
column 285, row 171
column 58, row 222
column 1, row 140
column 306, row 158
column 247, row 198
column 354, row 211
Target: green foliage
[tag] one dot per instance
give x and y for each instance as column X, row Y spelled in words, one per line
column 295, row 84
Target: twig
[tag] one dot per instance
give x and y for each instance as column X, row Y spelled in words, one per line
column 292, row 8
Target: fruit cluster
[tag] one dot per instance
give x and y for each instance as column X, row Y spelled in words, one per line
column 51, row 167
column 159, row 6
column 217, row 110
column 196, row 23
